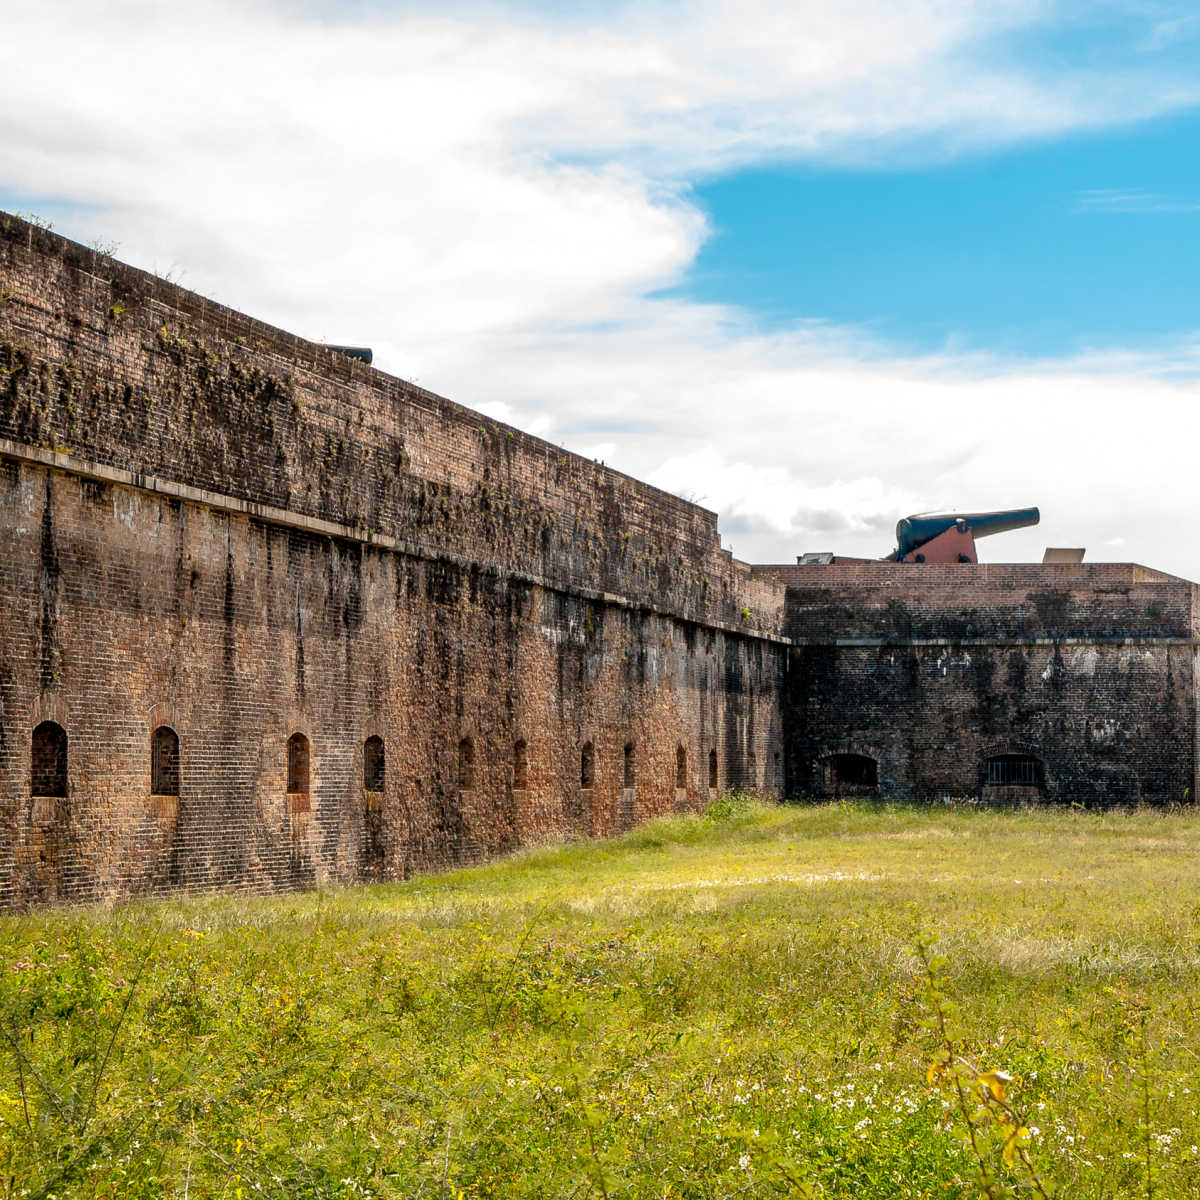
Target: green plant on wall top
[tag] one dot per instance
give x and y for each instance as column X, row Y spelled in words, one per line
column 33, row 219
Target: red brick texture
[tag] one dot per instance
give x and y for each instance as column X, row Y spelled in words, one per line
column 216, row 530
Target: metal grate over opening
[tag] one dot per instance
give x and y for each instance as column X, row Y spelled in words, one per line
column 1012, row 770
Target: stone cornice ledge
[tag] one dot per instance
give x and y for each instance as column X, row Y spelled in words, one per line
column 85, row 469
column 1096, row 639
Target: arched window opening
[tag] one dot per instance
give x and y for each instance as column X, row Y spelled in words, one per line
column 297, row 765
column 680, row 767
column 374, row 764
column 587, row 766
column 466, row 764
column 1013, row 770
column 520, row 765
column 48, row 776
column 712, row 768
column 164, row 762
column 850, row 774
column 630, row 767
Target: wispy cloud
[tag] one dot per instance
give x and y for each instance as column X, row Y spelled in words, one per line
column 1117, row 200
column 1171, row 31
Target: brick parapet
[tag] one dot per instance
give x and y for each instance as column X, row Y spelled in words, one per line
column 1002, row 601
column 957, row 575
column 123, row 369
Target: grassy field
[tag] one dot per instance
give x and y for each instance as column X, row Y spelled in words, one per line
column 729, row 1006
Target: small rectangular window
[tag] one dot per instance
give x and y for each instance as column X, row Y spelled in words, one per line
column 49, row 760
column 164, row 762
column 373, row 764
column 297, row 765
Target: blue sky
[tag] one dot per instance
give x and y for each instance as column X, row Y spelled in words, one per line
column 816, row 264
column 1049, row 248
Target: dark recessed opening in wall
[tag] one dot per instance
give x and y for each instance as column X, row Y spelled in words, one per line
column 466, row 764
column 680, row 767
column 520, row 765
column 374, row 764
column 297, row 765
column 752, row 769
column 164, row 761
column 587, row 766
column 850, row 775
column 48, row 775
column 630, row 766
column 712, row 768
column 1012, row 770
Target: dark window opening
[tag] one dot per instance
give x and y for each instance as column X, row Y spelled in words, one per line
column 49, row 764
column 712, row 768
column 297, row 765
column 466, row 764
column 164, row 762
column 374, row 764
column 630, row 771
column 520, row 766
column 680, row 767
column 587, row 766
column 851, row 774
column 1013, row 770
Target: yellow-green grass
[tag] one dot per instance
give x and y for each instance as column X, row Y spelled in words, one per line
column 707, row 1007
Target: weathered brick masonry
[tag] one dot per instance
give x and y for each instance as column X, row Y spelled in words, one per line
column 269, row 617
column 237, row 552
column 1086, row 671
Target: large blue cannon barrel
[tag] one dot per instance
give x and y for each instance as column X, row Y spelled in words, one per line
column 913, row 532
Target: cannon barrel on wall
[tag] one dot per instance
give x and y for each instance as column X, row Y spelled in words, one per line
column 916, row 531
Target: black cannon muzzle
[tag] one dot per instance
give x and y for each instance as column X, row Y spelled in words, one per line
column 913, row 532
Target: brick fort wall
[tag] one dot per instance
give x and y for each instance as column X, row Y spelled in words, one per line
column 931, row 671
column 374, row 631
column 270, row 618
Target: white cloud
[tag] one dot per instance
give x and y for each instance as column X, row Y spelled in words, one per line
column 489, row 197
column 802, row 443
column 439, row 176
